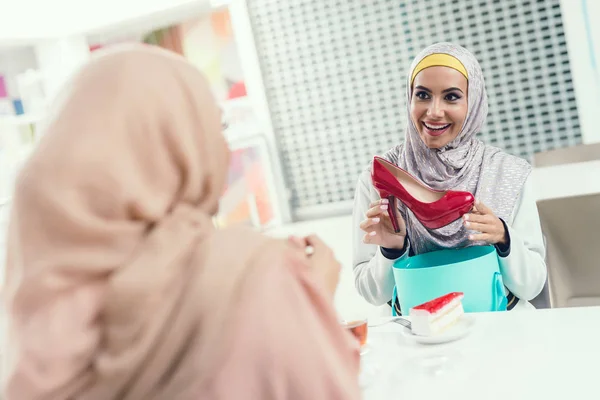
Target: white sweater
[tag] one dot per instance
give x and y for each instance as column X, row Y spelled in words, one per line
column 523, row 270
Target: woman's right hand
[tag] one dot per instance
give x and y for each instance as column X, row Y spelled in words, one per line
column 322, row 260
column 378, row 227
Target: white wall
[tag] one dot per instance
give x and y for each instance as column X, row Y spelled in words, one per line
column 581, row 20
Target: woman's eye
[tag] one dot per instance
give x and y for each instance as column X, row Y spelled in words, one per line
column 452, row 97
column 421, row 95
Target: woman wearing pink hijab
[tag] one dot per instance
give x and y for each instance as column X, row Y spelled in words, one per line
column 118, row 285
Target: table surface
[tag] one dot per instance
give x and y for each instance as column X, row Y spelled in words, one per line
column 537, row 354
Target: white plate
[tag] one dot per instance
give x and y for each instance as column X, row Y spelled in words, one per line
column 459, row 330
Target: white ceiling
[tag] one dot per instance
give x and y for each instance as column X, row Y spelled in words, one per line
column 29, row 21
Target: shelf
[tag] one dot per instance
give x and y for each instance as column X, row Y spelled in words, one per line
column 18, row 120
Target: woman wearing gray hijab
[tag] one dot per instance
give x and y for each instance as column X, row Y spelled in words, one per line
column 447, row 105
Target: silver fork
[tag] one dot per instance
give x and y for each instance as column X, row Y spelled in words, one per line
column 404, row 322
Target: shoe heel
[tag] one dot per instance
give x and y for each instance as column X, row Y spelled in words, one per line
column 392, row 209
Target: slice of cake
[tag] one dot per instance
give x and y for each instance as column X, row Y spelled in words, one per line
column 435, row 316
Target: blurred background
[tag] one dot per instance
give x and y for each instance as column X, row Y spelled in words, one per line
column 312, row 89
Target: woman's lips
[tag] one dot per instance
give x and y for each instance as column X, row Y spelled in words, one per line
column 435, row 129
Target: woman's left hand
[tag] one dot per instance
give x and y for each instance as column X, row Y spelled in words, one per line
column 482, row 219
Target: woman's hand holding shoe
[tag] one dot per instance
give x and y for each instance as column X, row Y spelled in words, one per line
column 378, row 227
column 490, row 227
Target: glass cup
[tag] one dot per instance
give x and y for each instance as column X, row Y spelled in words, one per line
column 359, row 329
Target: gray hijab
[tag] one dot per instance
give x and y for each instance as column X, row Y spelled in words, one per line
column 466, row 163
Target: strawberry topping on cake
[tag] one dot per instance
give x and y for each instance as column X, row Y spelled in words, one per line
column 436, row 304
column 435, row 316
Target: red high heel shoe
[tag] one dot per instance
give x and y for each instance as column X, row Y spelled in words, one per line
column 434, row 208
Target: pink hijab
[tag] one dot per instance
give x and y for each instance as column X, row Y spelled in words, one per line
column 119, row 287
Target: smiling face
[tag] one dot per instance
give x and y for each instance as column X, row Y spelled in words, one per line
column 438, row 106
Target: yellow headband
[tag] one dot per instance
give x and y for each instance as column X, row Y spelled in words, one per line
column 439, row 60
